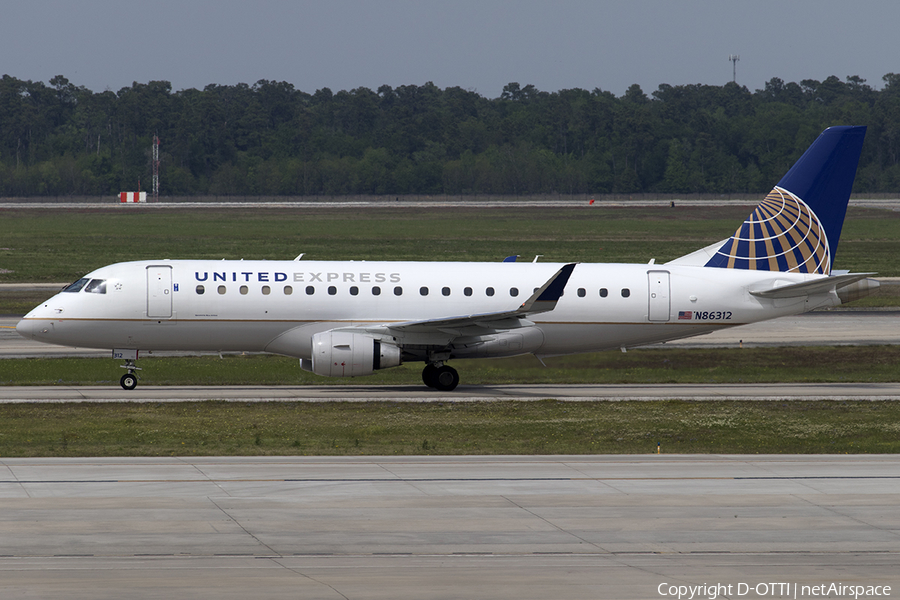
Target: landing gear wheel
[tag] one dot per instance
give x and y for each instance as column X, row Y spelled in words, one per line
column 446, row 379
column 429, row 375
column 128, row 381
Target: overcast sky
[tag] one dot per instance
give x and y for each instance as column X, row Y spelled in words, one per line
column 479, row 45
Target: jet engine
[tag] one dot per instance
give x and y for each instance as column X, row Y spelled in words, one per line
column 345, row 354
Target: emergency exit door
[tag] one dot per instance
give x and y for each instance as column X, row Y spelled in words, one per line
column 659, row 295
column 159, row 292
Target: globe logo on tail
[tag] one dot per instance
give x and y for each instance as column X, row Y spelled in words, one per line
column 782, row 234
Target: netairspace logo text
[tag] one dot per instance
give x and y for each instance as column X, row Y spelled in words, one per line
column 772, row 590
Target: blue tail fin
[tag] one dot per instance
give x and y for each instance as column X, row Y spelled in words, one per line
column 797, row 227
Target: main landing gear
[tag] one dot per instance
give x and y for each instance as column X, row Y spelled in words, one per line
column 440, row 377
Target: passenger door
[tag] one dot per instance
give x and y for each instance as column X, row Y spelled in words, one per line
column 159, row 292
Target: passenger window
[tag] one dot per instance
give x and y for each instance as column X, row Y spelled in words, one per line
column 200, row 290
column 266, row 290
column 489, row 291
column 222, row 290
column 604, row 292
column 332, row 290
column 581, row 292
column 467, row 291
column 376, row 291
column 626, row 292
column 398, row 291
column 513, row 292
column 310, row 290
column 423, row 291
column 354, row 290
column 445, row 291
column 76, row 287
column 244, row 289
column 288, row 290
column 96, row 286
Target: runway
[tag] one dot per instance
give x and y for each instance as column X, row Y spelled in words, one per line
column 543, row 527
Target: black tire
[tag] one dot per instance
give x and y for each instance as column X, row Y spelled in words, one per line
column 128, row 381
column 429, row 375
column 446, row 379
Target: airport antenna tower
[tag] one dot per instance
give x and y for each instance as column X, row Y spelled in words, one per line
column 734, row 58
column 155, row 168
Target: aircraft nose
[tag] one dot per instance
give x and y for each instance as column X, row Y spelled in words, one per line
column 25, row 328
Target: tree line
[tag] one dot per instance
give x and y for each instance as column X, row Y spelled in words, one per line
column 272, row 139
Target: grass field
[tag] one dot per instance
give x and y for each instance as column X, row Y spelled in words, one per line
column 41, row 245
column 61, row 245
column 381, row 428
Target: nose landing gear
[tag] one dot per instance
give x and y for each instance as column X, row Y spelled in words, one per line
column 130, row 379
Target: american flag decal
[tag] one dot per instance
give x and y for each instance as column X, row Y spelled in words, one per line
column 685, row 315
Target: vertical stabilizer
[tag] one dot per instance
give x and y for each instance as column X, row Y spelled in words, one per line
column 797, row 227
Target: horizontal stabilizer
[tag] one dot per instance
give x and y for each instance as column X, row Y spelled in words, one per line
column 810, row 288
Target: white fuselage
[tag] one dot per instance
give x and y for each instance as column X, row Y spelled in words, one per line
column 277, row 306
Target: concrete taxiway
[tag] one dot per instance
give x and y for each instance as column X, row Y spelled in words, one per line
column 556, row 527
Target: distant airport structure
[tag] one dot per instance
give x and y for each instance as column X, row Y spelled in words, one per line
column 128, row 197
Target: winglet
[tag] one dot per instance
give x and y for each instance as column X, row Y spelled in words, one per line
column 546, row 296
column 511, row 258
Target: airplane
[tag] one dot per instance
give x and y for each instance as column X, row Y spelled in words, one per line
column 352, row 318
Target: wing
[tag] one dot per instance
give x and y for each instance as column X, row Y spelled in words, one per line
column 544, row 299
column 442, row 330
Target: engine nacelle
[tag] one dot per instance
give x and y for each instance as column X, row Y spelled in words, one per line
column 345, row 354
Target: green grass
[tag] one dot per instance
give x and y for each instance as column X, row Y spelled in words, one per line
column 667, row 365
column 386, row 428
column 44, row 245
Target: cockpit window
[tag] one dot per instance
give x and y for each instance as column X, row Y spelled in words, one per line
column 76, row 287
column 96, row 286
